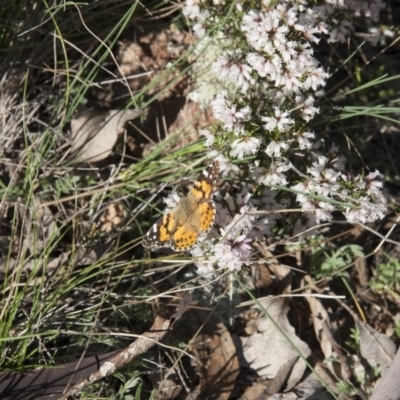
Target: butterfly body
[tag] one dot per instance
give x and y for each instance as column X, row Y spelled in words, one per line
column 194, row 215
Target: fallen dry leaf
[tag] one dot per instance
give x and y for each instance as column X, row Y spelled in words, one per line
column 268, row 351
column 388, row 386
column 214, row 348
column 94, row 133
column 319, row 317
column 374, row 346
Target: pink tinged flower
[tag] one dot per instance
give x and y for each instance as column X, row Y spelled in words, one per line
column 191, row 9
column 225, row 166
column 276, row 175
column 257, row 62
column 244, row 113
column 324, row 212
column 241, row 76
column 367, row 212
column 250, row 20
column 322, row 27
column 304, row 140
column 225, row 257
column 263, row 30
column 281, row 121
column 199, row 30
column 318, row 167
column 245, row 146
column 316, row 78
column 289, row 82
column 242, row 200
column 205, row 267
column 339, row 33
column 220, row 67
column 306, row 107
column 309, row 34
column 303, row 188
column 210, row 138
column 373, row 187
column 229, row 114
column 274, row 149
column 278, row 37
column 322, row 215
column 239, row 225
column 233, row 252
column 339, row 162
column 226, row 67
column 290, row 16
column 379, row 36
column 288, row 50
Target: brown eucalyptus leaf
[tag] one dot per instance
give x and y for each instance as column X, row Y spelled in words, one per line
column 319, row 316
column 216, row 352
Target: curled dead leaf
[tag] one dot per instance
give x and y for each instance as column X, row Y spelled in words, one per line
column 95, row 132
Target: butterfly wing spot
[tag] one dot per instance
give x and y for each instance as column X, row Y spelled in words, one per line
column 204, row 186
column 160, row 234
column 207, row 215
column 184, row 238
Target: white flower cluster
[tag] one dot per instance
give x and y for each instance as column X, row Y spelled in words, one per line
column 272, row 81
column 238, row 228
column 325, row 182
column 276, row 75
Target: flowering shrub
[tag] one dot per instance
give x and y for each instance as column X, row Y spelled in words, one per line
column 265, row 84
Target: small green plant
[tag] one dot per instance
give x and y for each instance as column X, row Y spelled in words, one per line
column 346, row 388
column 387, row 276
column 125, row 392
column 353, row 341
column 327, row 261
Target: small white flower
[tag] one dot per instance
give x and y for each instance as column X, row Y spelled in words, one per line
column 245, row 146
column 276, row 174
column 303, row 188
column 303, row 139
column 242, row 200
column 340, row 31
column 229, row 114
column 281, row 121
column 232, row 252
column 225, row 165
column 324, row 213
column 210, row 138
column 373, row 187
column 274, row 149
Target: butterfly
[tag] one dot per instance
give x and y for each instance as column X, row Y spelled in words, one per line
column 194, row 215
